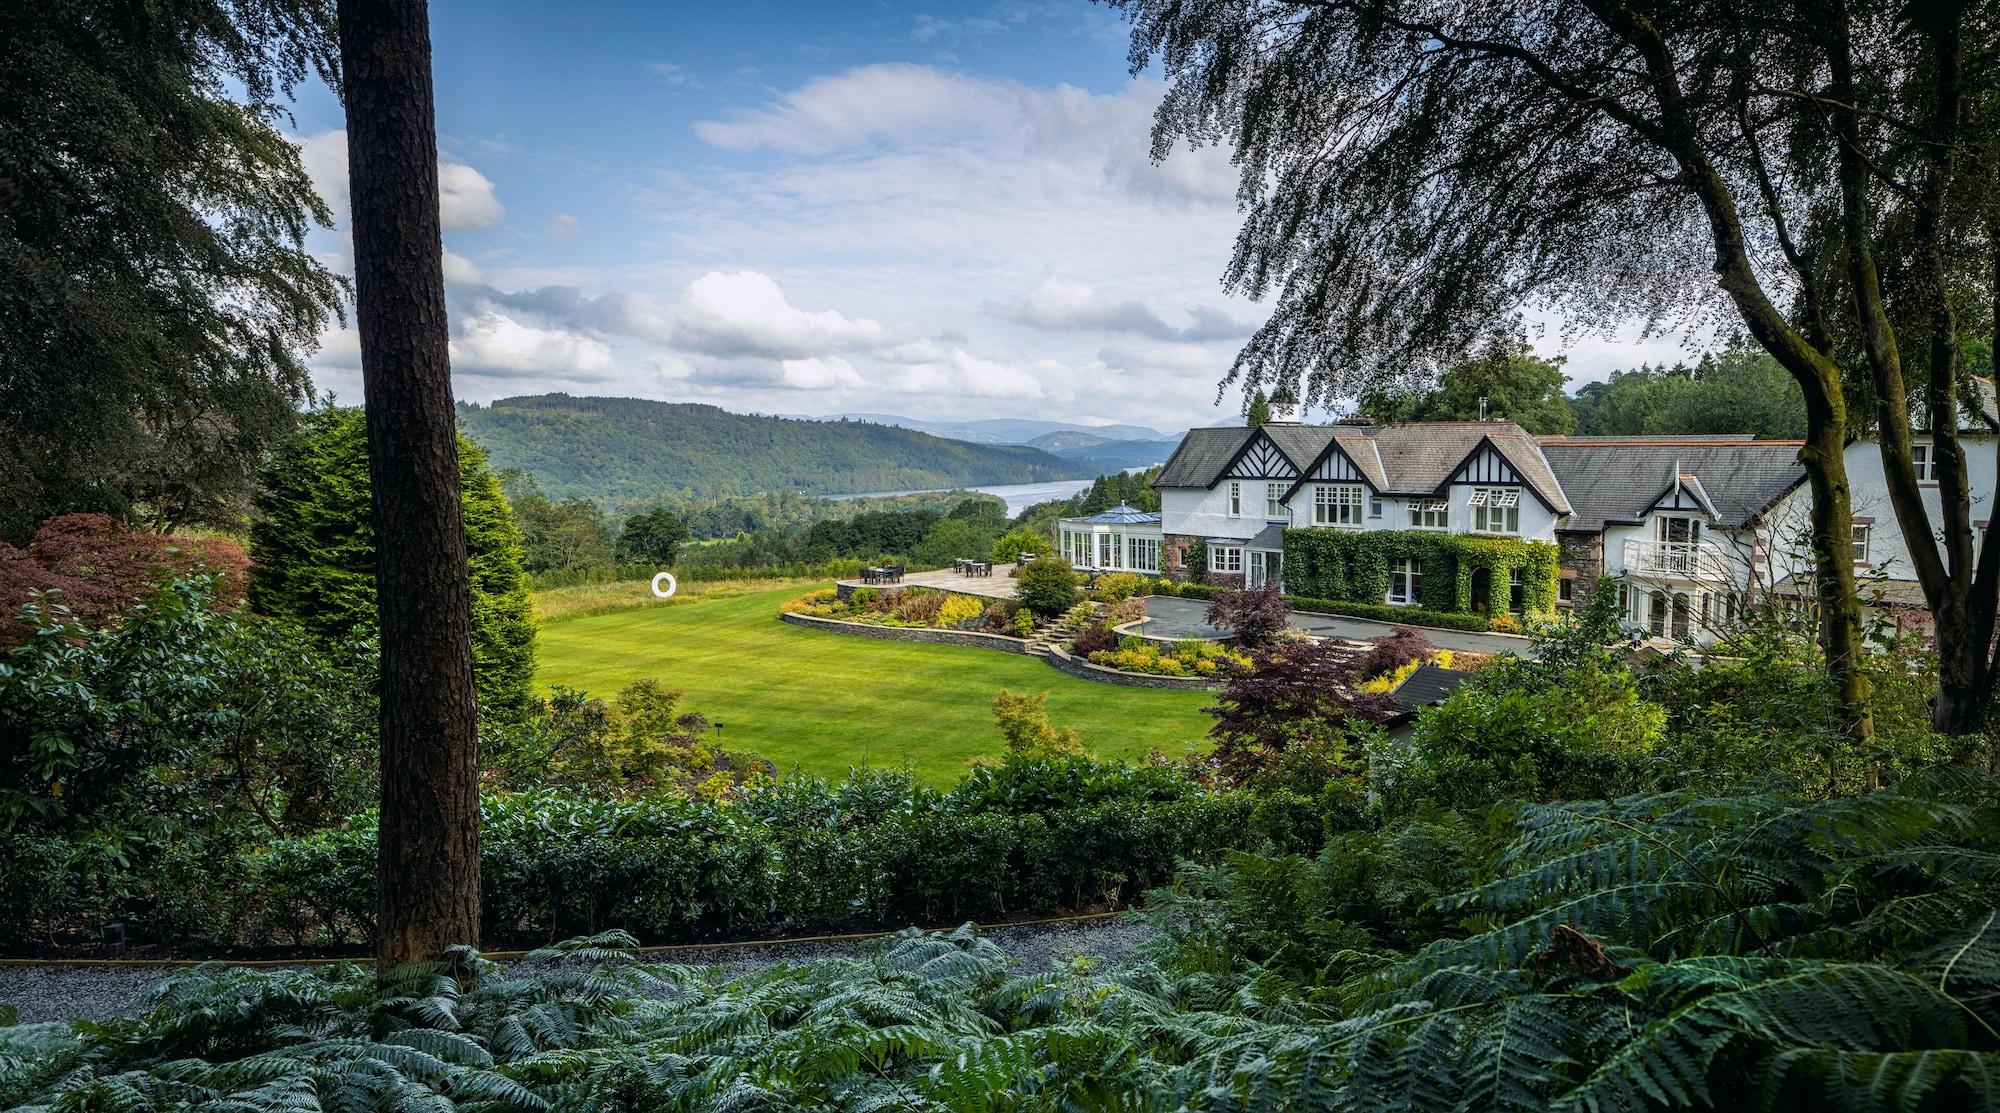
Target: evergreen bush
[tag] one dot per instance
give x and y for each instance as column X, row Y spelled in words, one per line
column 313, row 547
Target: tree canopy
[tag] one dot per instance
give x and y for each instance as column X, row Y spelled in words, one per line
column 1506, row 379
column 1738, row 390
column 314, row 552
column 159, row 295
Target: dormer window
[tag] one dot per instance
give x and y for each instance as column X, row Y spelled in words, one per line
column 1496, row 509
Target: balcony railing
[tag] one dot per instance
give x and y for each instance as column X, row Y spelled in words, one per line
column 1666, row 558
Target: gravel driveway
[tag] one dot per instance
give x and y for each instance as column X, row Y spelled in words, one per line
column 43, row 993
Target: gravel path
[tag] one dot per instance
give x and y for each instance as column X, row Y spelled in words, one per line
column 43, row 993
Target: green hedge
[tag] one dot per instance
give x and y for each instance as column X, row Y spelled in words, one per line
column 1352, row 567
column 872, row 850
column 1380, row 612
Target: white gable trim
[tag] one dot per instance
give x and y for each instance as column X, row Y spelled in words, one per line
column 1262, row 459
column 1487, row 467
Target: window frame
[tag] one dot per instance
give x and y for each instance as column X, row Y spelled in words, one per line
column 1484, row 505
column 1330, row 500
column 1216, row 563
column 1236, row 498
column 1274, row 510
column 1406, row 574
column 1923, row 461
column 1861, row 542
column 1422, row 508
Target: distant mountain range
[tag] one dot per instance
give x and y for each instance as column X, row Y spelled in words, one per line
column 625, row 452
column 1007, row 430
column 1110, row 454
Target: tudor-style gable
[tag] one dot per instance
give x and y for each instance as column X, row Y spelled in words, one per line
column 1487, row 467
column 1260, row 458
column 1333, row 465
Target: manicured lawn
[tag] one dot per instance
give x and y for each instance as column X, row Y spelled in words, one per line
column 824, row 701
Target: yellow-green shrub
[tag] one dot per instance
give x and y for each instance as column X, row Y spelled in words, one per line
column 959, row 610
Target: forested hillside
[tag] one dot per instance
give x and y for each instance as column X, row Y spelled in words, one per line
column 628, row 451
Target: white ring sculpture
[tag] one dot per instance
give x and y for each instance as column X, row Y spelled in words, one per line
column 673, row 585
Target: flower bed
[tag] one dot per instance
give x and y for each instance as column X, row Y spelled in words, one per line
column 1187, row 657
column 921, row 608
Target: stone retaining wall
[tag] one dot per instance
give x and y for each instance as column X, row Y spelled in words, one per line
column 1057, row 655
column 911, row 633
column 1084, row 670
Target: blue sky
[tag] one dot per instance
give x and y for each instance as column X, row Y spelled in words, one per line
column 928, row 209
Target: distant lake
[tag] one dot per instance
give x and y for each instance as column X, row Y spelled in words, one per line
column 1019, row 496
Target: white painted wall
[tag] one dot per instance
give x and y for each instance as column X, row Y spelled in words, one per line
column 1888, row 554
column 1538, row 523
column 1206, row 513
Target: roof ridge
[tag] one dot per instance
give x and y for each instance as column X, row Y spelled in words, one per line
column 1558, row 440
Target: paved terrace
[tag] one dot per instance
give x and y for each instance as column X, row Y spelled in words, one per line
column 1000, row 585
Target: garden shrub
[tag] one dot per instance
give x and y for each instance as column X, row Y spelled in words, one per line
column 1048, row 586
column 1126, row 610
column 1393, row 650
column 1118, row 585
column 1024, row 623
column 1528, row 730
column 998, row 618
column 1024, row 723
column 1255, row 616
column 1094, row 639
column 918, row 606
column 101, row 566
column 1009, row 546
column 1025, row 835
column 1297, row 692
column 1188, row 657
column 1080, row 617
column 958, row 611
column 864, row 597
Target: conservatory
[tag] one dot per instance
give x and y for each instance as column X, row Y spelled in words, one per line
column 1121, row 539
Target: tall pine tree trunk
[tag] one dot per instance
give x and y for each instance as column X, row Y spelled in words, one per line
column 428, row 873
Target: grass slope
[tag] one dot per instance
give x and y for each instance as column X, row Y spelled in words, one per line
column 823, row 701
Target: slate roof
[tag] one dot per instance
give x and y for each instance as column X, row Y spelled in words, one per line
column 1202, row 456
column 1122, row 515
column 1420, row 457
column 1429, row 684
column 1617, row 479
column 1205, row 454
column 1412, row 459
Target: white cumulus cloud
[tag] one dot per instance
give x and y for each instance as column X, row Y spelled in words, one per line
column 495, row 344
column 466, row 198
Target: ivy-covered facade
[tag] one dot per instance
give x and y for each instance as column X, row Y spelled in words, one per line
column 1423, row 569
